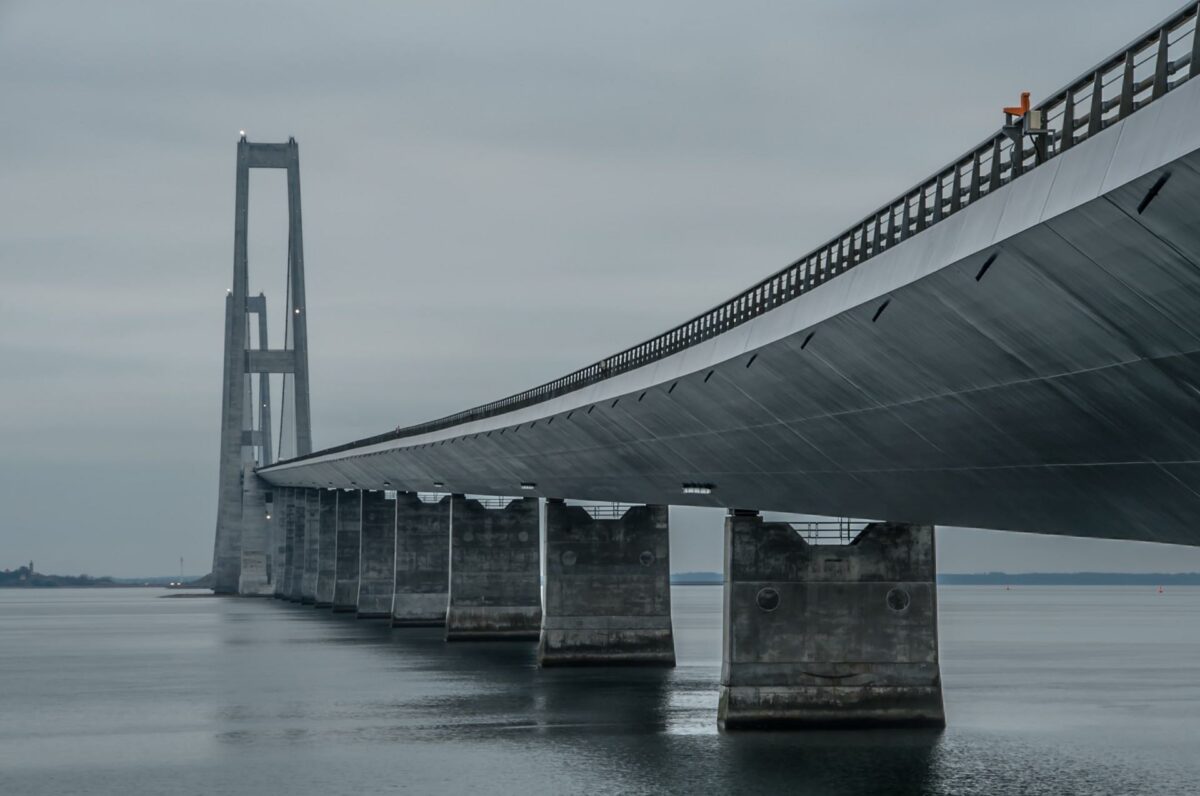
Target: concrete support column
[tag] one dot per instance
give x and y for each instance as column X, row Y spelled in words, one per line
column 290, row 513
column 253, row 577
column 377, row 556
column 296, row 532
column 821, row 635
column 422, row 582
column 326, row 548
column 349, row 526
column 608, row 588
column 495, row 571
column 279, row 568
column 311, row 525
column 279, row 499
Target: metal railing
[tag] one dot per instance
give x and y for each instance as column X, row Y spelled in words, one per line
column 493, row 502
column 607, row 511
column 835, row 532
column 1151, row 65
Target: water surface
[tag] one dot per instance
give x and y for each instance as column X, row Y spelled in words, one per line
column 1052, row 690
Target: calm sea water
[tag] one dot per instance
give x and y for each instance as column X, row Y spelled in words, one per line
column 1048, row 691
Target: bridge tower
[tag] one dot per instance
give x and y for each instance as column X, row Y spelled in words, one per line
column 241, row 560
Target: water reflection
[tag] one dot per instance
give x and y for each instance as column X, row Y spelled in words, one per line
column 891, row 761
column 622, row 729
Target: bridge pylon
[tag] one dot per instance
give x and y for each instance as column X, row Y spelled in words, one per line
column 242, row 563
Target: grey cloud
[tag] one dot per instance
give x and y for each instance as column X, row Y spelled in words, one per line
column 494, row 194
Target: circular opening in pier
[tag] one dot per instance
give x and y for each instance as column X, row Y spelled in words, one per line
column 898, row 599
column 568, row 558
column 767, row 599
column 646, row 558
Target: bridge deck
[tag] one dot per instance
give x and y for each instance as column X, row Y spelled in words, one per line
column 1011, row 352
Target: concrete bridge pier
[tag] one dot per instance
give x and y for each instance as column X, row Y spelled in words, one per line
column 422, row 580
column 296, row 508
column 279, row 500
column 326, row 548
column 608, row 588
column 495, row 570
column 377, row 556
column 829, row 635
column 253, row 570
column 311, row 526
column 349, row 528
column 286, row 504
column 283, row 504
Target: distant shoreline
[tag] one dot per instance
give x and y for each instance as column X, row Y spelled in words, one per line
column 26, row 577
column 1070, row 579
column 1009, row 579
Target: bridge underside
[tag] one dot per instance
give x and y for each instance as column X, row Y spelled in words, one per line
column 1031, row 363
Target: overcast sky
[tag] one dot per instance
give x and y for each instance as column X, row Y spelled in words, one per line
column 494, row 194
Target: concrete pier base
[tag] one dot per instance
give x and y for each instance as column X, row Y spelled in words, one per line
column 279, row 500
column 495, row 570
column 345, row 576
column 294, row 555
column 254, row 578
column 326, row 548
column 377, row 556
column 311, row 526
column 829, row 635
column 422, row 576
column 608, row 588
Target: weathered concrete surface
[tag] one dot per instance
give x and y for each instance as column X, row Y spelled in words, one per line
column 296, row 510
column 422, row 582
column 279, row 542
column 254, row 578
column 608, row 588
column 495, row 571
column 829, row 635
column 279, row 499
column 312, row 527
column 285, row 507
column 349, row 527
column 327, row 548
column 377, row 556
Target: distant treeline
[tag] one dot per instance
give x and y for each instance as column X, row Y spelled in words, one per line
column 25, row 578
column 1072, row 579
